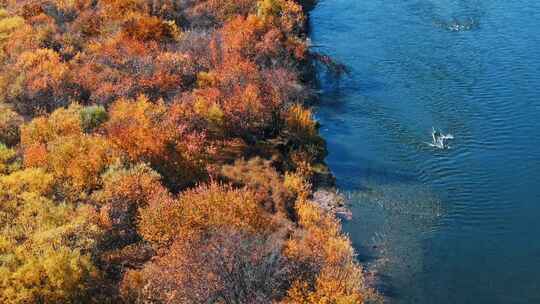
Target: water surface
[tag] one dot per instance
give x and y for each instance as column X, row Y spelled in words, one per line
column 456, row 226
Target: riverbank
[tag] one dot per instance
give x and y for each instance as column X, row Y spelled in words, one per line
column 325, row 193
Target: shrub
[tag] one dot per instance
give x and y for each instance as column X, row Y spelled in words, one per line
column 119, row 67
column 137, row 128
column 300, row 123
column 57, row 275
column 45, row 246
column 212, row 12
column 202, row 209
column 8, row 24
column 238, row 101
column 10, row 123
column 146, row 28
column 92, row 117
column 297, row 184
column 306, row 146
column 268, row 7
column 259, row 176
column 45, row 251
column 124, row 192
column 78, row 162
column 44, row 129
column 326, row 267
column 29, row 180
column 227, row 265
column 38, row 82
column 9, row 161
column 149, row 132
column 57, row 143
column 286, row 14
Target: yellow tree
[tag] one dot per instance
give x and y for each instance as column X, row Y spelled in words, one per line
column 45, row 246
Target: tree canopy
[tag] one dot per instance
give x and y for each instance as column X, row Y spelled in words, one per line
column 163, row 152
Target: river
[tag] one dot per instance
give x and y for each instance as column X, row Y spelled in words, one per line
column 437, row 226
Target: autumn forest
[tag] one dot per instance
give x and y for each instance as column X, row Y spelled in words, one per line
column 163, row 151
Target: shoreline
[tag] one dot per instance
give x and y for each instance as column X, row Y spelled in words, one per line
column 325, row 192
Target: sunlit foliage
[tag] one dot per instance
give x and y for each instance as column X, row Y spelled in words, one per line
column 45, row 129
column 328, row 272
column 9, row 160
column 58, row 144
column 78, row 161
column 8, row 24
column 137, row 127
column 124, row 192
column 228, row 266
column 38, row 81
column 201, row 209
column 162, row 152
column 265, row 181
column 149, row 132
column 45, row 246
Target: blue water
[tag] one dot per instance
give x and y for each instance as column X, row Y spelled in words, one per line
column 454, row 226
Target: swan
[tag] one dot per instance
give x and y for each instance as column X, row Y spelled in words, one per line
column 439, row 139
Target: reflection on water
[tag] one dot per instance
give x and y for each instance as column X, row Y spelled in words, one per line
column 392, row 220
column 439, row 226
column 459, row 25
column 454, row 16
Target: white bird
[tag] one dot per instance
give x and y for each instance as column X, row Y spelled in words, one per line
column 439, row 139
